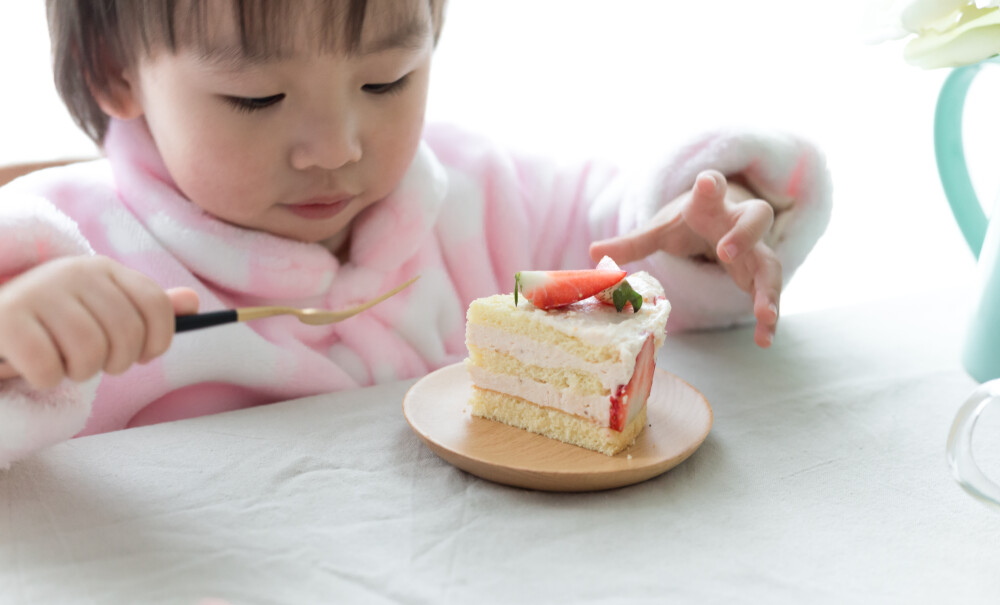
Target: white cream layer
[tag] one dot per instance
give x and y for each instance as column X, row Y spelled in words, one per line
column 593, row 407
column 531, row 352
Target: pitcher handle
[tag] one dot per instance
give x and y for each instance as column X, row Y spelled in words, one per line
column 963, row 465
column 950, row 154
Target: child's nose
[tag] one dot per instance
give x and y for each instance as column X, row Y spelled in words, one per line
column 329, row 143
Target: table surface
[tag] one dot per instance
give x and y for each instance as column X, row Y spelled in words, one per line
column 823, row 480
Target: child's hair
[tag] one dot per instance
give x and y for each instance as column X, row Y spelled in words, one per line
column 91, row 39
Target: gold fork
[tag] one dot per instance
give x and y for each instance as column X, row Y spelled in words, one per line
column 312, row 317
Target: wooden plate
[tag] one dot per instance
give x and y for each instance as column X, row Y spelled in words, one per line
column 678, row 420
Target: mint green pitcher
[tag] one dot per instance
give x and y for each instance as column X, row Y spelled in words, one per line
column 981, row 353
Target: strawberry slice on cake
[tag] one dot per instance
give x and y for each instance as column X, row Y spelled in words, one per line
column 554, row 289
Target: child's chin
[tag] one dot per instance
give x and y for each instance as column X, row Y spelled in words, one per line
column 331, row 239
column 306, row 235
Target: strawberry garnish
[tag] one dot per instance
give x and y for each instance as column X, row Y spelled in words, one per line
column 552, row 289
column 620, row 294
column 638, row 288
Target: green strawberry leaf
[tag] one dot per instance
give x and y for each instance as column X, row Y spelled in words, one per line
column 517, row 286
column 625, row 294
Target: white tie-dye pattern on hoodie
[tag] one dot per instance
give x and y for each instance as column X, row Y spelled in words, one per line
column 466, row 217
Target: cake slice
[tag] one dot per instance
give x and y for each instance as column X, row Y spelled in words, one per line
column 579, row 371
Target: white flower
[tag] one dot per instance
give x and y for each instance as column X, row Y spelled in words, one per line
column 946, row 33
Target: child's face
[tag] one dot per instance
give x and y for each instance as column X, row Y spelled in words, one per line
column 296, row 146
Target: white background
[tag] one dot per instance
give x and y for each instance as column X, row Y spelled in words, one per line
column 628, row 80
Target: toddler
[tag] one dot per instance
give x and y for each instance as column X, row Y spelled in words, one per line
column 271, row 152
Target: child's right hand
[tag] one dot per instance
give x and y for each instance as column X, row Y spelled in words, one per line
column 77, row 316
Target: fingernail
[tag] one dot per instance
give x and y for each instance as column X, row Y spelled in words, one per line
column 715, row 184
column 774, row 309
column 731, row 251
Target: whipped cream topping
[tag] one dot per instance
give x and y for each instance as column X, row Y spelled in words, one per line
column 598, row 324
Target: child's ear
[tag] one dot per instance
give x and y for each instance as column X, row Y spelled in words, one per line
column 119, row 97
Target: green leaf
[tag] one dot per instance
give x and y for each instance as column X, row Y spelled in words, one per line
column 625, row 294
column 517, row 286
column 618, row 297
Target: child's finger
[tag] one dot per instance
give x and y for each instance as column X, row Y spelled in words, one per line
column 78, row 337
column 154, row 314
column 123, row 325
column 7, row 371
column 763, row 335
column 631, row 247
column 35, row 356
column 706, row 213
column 754, row 221
column 184, row 300
column 665, row 232
column 766, row 295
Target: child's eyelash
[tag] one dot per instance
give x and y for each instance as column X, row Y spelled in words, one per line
column 386, row 88
column 251, row 104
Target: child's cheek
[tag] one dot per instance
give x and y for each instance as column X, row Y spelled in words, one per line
column 398, row 146
column 225, row 180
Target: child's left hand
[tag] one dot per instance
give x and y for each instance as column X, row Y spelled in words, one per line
column 719, row 222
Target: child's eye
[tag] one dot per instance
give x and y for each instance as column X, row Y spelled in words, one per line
column 381, row 89
column 251, row 104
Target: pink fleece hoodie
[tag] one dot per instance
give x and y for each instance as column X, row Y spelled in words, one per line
column 466, row 217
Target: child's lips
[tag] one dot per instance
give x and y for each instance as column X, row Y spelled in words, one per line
column 321, row 207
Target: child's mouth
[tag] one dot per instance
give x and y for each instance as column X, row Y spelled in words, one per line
column 321, row 207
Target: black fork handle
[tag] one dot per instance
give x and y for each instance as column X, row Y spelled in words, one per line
column 185, row 323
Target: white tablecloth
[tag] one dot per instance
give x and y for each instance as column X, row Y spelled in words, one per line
column 823, row 481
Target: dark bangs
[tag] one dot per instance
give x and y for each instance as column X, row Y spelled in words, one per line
column 265, row 27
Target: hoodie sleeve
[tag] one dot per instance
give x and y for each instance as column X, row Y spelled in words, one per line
column 536, row 214
column 33, row 231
